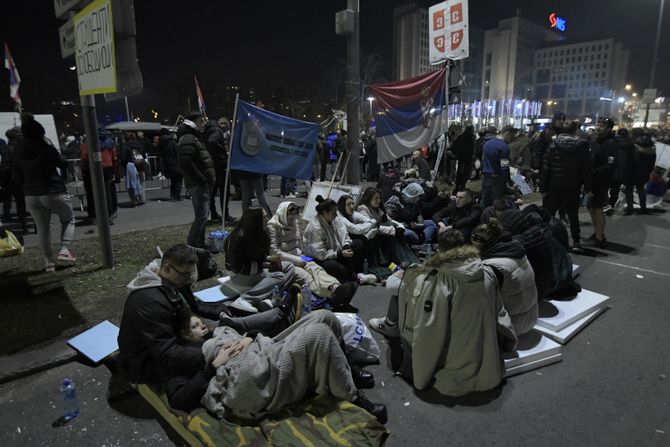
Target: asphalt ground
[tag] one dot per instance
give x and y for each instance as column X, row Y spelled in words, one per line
column 611, row 387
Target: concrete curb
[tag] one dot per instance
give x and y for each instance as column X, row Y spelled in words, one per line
column 25, row 363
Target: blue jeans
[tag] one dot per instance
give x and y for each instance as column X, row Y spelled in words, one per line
column 429, row 229
column 200, row 201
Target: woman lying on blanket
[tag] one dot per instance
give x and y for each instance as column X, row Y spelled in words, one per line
column 251, row 378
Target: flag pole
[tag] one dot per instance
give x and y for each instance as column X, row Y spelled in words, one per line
column 230, row 155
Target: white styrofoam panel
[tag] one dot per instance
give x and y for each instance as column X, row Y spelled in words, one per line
column 557, row 315
column 532, row 347
column 564, row 336
column 514, row 370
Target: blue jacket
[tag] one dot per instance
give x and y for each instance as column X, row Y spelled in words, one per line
column 495, row 156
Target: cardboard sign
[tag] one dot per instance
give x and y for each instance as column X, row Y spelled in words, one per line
column 94, row 48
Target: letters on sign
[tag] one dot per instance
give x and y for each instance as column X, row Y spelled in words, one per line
column 556, row 22
column 456, row 39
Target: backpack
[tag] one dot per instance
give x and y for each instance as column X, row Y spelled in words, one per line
column 564, row 283
column 207, row 266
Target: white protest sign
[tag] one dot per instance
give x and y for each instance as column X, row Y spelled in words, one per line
column 448, row 36
column 94, row 42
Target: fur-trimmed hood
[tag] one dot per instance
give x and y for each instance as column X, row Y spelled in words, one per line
column 462, row 261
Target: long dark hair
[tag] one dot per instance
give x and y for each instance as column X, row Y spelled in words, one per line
column 486, row 233
column 342, row 207
column 366, row 199
column 252, row 229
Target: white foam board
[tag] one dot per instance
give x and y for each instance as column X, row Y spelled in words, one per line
column 97, row 342
column 533, row 346
column 568, row 312
column 566, row 334
column 211, row 295
column 575, row 267
column 514, row 370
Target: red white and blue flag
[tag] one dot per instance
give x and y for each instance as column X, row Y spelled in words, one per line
column 409, row 114
column 14, row 78
column 201, row 99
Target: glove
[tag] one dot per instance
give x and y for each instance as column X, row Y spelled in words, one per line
column 399, row 232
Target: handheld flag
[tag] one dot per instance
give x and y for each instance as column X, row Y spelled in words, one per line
column 201, row 99
column 409, row 114
column 14, row 78
column 269, row 143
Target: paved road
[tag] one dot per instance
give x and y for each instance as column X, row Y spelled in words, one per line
column 610, row 389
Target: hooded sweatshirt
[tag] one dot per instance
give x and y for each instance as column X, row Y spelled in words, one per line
column 285, row 237
column 567, row 165
column 152, row 317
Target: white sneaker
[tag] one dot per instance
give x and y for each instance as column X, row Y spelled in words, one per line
column 65, row 255
column 243, row 305
column 367, row 279
column 381, row 326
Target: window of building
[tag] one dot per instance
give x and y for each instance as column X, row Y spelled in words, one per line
column 604, row 64
column 592, row 57
column 600, row 47
column 558, row 90
column 543, row 76
column 597, row 65
column 581, row 49
column 488, row 59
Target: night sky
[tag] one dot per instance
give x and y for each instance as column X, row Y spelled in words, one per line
column 287, row 47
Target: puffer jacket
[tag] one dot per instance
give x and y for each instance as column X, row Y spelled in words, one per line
column 196, row 164
column 285, row 239
column 169, row 155
column 646, row 159
column 386, row 225
column 323, row 241
column 567, row 165
column 359, row 225
column 604, row 155
column 449, row 325
column 215, row 141
column 511, row 276
column 519, row 153
column 626, row 160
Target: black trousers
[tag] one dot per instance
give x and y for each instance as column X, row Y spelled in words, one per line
column 567, row 201
column 219, row 187
column 16, row 192
column 463, row 174
column 175, row 186
column 346, row 269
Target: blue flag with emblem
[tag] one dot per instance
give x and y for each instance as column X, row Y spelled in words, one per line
column 269, row 143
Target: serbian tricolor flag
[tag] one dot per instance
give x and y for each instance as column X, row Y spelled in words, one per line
column 14, row 78
column 409, row 114
column 198, row 93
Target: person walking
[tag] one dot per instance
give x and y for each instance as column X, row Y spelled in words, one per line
column 8, row 181
column 603, row 152
column 198, row 171
column 37, row 168
column 495, row 165
column 645, row 160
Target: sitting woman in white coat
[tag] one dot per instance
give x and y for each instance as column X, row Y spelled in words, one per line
column 508, row 273
column 330, row 245
column 286, row 243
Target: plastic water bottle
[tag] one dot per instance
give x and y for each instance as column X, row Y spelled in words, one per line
column 428, row 249
column 306, row 299
column 365, row 265
column 276, row 296
column 68, row 393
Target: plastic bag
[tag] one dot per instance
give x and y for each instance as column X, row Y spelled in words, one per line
column 360, row 347
column 10, row 245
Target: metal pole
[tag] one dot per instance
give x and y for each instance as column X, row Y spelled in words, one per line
column 230, row 154
column 353, row 97
column 655, row 59
column 127, row 109
column 97, row 180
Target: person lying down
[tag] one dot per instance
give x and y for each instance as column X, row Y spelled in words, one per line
column 256, row 377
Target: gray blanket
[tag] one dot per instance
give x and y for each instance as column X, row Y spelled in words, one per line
column 274, row 373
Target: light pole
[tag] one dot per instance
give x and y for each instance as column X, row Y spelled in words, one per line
column 655, row 59
column 370, row 99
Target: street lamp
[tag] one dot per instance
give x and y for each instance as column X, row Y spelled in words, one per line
column 370, row 98
column 628, row 87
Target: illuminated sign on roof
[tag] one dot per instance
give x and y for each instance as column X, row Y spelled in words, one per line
column 556, row 22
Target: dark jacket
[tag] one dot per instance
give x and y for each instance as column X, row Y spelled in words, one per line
column 215, row 142
column 539, row 146
column 604, row 154
column 495, row 158
column 466, row 217
column 422, row 166
column 567, row 165
column 169, row 155
column 464, row 147
column 645, row 160
column 154, row 313
column 36, row 162
column 626, row 160
column 128, row 151
column 196, row 164
column 244, row 256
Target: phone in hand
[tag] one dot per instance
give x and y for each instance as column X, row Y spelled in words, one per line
column 306, row 258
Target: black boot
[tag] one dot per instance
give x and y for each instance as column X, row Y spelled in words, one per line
column 362, row 378
column 377, row 410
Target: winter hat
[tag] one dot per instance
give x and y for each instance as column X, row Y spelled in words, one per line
column 412, row 193
column 32, row 130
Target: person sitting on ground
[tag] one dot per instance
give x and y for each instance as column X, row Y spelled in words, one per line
column 246, row 249
column 391, row 234
column 159, row 302
column 263, row 357
column 527, row 227
column 364, row 229
column 508, row 273
column 462, row 214
column 332, row 248
column 286, row 242
column 451, row 324
column 419, row 167
column 406, row 209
